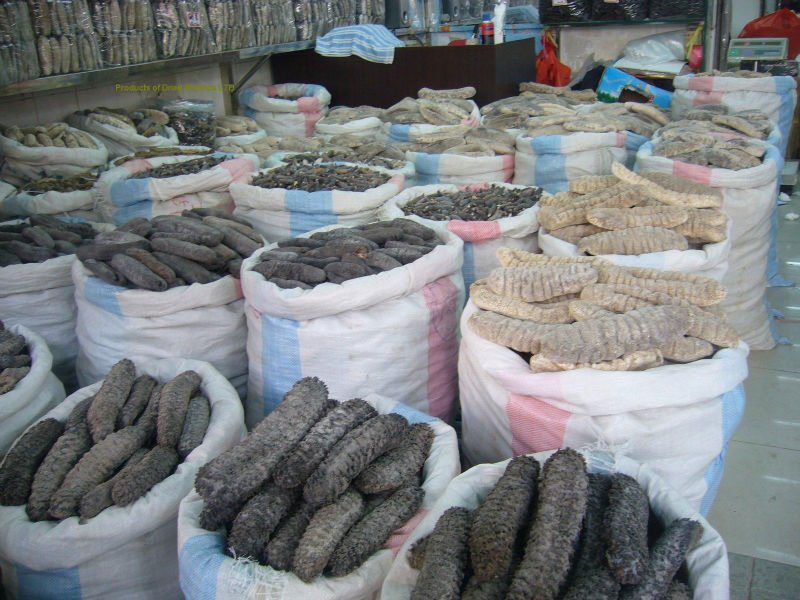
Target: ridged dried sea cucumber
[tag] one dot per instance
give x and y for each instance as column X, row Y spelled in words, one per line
column 259, row 517
column 626, row 529
column 563, row 493
column 229, row 480
column 511, row 257
column 501, row 516
column 94, row 467
column 607, row 297
column 446, row 557
column 592, row 183
column 195, row 426
column 99, row 499
column 575, row 233
column 157, row 465
column 706, row 224
column 591, row 551
column 535, row 284
column 639, row 360
column 594, row 584
column 396, row 467
column 486, row 299
column 687, row 349
column 283, row 543
column 711, row 328
column 23, row 459
column 580, row 310
column 324, row 532
column 522, row 336
column 668, row 552
column 110, row 398
column 701, row 291
column 669, row 189
column 351, row 455
column 369, row 534
column 635, row 240
column 173, row 406
column 297, row 466
column 574, row 213
column 137, row 401
column 637, row 216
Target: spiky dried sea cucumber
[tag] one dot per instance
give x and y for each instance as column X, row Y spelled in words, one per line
column 173, row 406
column 591, row 551
column 668, row 552
column 553, row 537
column 110, row 398
column 500, row 517
column 157, row 465
column 635, row 240
column 446, row 557
column 700, row 291
column 283, row 543
column 535, row 284
column 324, row 532
column 137, row 401
column 598, row 340
column 23, row 459
column 351, row 455
column 369, row 534
column 229, row 480
column 195, row 426
column 679, row 591
column 297, row 466
column 594, row 584
column 494, row 589
column 637, row 216
column 486, row 299
column 396, row 467
column 522, row 336
column 257, row 520
column 99, row 499
column 94, row 467
column 626, row 529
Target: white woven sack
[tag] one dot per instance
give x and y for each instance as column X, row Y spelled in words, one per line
column 286, row 124
column 402, row 133
column 6, row 191
column 461, row 170
column 369, row 127
column 52, row 155
column 707, row 562
column 676, row 418
column 278, row 213
column 286, row 98
column 208, row 573
column 407, row 170
column 239, row 139
column 394, row 334
column 748, row 200
column 20, row 173
column 79, row 203
column 125, row 553
column 121, row 142
column 710, row 261
column 34, row 395
column 481, row 238
column 198, row 321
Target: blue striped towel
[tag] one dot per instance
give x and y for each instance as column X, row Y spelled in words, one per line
column 374, row 43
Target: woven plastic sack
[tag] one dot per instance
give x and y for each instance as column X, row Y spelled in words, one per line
column 121, row 142
column 401, row 133
column 461, row 170
column 125, row 553
column 394, row 334
column 286, row 109
column 207, row 573
column 707, row 562
column 369, row 127
column 78, row 205
column 676, row 418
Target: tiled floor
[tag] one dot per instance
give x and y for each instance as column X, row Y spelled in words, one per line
column 757, row 511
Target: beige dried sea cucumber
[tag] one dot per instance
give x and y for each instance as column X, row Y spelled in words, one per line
column 639, row 360
column 592, row 183
column 619, row 297
column 511, row 257
column 556, row 217
column 742, row 125
column 559, row 199
column 633, row 241
column 537, row 283
column 700, row 291
column 648, row 110
column 522, row 336
column 580, row 310
column 711, row 328
column 675, row 148
column 655, row 185
column 705, row 224
column 486, row 299
column 637, row 216
column 575, row 233
column 463, row 93
column 687, row 349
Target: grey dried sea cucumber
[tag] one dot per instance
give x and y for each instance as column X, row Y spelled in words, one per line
column 11, row 376
column 369, row 534
column 195, row 426
column 500, row 517
column 398, row 466
column 666, row 556
column 553, row 537
column 23, row 459
column 416, row 553
column 180, row 224
column 446, row 557
column 188, row 270
column 494, row 589
column 173, row 406
column 77, row 416
column 283, row 543
column 325, row 530
column 594, row 584
column 152, row 263
column 626, row 529
column 229, row 480
column 679, row 591
column 157, row 465
column 99, row 499
column 110, row 398
column 293, row 470
column 104, row 272
column 137, row 400
column 592, row 548
column 137, row 273
column 351, row 455
column 94, row 467
column 259, row 517
column 200, row 254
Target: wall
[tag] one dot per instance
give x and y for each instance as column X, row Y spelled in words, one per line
column 742, row 12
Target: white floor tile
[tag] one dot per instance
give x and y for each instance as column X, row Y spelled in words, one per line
column 772, row 412
column 781, row 358
column 786, row 299
column 756, row 508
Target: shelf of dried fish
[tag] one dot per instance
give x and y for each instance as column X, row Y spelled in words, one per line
column 556, row 351
column 94, row 486
column 588, row 524
column 641, row 220
column 433, row 112
column 66, row 41
column 317, row 497
column 285, row 109
column 486, row 217
column 292, row 199
column 18, row 57
column 125, row 29
column 126, row 131
column 182, row 28
column 273, row 22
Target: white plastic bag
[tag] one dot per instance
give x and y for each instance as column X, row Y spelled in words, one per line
column 461, row 170
column 199, row 321
column 125, row 553
column 676, row 418
column 121, row 142
column 34, row 395
column 207, row 573
column 394, row 334
column 707, row 562
column 481, row 238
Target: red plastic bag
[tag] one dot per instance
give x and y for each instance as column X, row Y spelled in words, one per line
column 548, row 68
column 782, row 23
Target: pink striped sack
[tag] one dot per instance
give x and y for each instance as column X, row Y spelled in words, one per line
column 748, row 200
column 394, row 334
column 208, row 573
column 481, row 238
column 707, row 562
column 676, row 418
column 286, row 109
column 461, row 170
